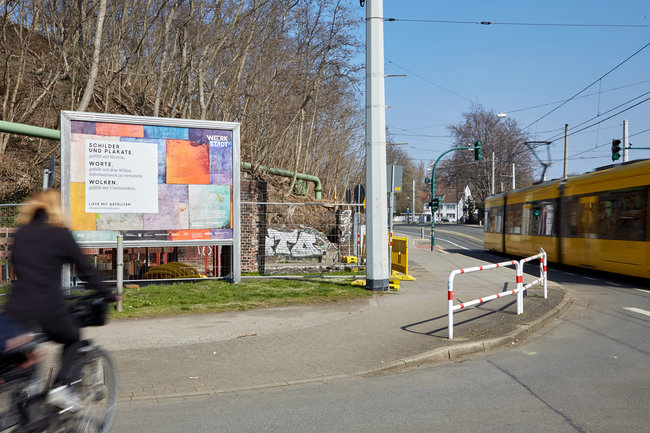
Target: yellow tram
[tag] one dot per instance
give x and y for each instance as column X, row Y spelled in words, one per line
column 598, row 220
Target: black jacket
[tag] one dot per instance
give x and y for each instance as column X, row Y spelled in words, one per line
column 38, row 253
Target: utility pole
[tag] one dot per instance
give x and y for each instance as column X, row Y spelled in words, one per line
column 513, row 175
column 377, row 267
column 413, row 205
column 566, row 149
column 492, row 173
column 625, row 142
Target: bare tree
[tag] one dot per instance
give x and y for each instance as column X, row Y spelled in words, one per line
column 92, row 76
column 280, row 67
column 501, row 137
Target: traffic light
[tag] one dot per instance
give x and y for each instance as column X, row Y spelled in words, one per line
column 435, row 203
column 478, row 152
column 616, row 149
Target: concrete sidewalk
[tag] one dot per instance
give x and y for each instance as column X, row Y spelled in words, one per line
column 214, row 353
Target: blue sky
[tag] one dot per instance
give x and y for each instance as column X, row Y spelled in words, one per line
column 513, row 68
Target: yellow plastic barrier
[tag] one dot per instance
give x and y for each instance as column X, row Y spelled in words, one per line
column 399, row 263
column 350, row 259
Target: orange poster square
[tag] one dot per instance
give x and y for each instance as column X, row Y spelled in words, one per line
column 79, row 219
column 187, row 163
column 119, row 129
column 189, row 235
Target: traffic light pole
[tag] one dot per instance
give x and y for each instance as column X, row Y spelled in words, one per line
column 433, row 190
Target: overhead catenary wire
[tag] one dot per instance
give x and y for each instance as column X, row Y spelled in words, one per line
column 594, row 82
column 555, row 137
column 429, row 81
column 605, row 144
column 607, row 118
column 506, row 23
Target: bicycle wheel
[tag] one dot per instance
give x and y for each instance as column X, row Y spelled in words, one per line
column 9, row 417
column 97, row 392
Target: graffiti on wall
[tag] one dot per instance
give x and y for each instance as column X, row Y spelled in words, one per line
column 297, row 243
column 345, row 225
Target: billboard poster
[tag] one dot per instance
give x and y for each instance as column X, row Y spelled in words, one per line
column 156, row 181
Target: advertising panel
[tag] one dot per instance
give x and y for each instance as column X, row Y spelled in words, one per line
column 156, row 181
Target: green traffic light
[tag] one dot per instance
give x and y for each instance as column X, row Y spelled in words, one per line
column 616, row 149
column 478, row 151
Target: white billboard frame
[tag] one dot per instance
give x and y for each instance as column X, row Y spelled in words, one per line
column 107, row 144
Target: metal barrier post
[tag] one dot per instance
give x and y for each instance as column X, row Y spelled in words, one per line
column 520, row 285
column 544, row 272
column 450, row 303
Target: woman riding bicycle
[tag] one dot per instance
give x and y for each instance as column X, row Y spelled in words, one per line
column 41, row 247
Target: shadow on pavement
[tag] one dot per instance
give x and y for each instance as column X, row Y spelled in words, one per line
column 442, row 332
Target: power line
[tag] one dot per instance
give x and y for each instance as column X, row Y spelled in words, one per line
column 429, row 81
column 583, row 96
column 607, row 118
column 604, row 144
column 599, row 115
column 494, row 23
column 594, row 82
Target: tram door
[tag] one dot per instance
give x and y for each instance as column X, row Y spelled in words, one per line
column 589, row 223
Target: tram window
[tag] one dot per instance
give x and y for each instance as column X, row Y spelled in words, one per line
column 513, row 221
column 571, row 218
column 542, row 218
column 495, row 220
column 622, row 215
column 489, row 224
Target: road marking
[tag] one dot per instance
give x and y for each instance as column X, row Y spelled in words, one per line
column 591, row 279
column 637, row 310
column 644, row 290
column 611, row 283
column 454, row 244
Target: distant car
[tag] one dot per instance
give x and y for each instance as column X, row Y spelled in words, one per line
column 445, row 220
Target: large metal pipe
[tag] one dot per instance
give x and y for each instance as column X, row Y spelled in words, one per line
column 31, row 131
column 318, row 188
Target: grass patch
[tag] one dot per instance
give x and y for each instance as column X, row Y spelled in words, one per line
column 182, row 298
column 217, row 295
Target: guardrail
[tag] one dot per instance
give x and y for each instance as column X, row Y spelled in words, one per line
column 519, row 290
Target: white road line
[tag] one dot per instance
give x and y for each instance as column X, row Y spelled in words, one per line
column 637, row 310
column 591, row 279
column 614, row 284
column 454, row 244
column 643, row 290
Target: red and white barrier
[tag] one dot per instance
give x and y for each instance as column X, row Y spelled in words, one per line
column 520, row 287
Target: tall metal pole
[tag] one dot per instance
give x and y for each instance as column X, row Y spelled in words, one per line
column 513, row 175
column 566, row 148
column 625, row 142
column 377, row 269
column 413, row 205
column 492, row 172
column 391, row 214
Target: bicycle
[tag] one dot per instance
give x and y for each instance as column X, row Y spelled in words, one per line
column 23, row 391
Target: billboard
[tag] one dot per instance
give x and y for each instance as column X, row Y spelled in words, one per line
column 156, row 181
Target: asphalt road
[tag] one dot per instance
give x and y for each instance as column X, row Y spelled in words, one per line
column 589, row 372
